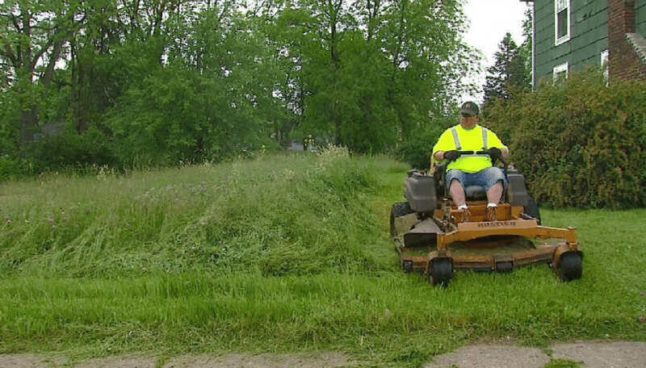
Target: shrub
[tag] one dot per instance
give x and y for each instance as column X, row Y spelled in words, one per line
column 417, row 149
column 579, row 143
column 11, row 168
column 70, row 150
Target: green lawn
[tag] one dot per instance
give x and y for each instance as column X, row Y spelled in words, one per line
column 279, row 254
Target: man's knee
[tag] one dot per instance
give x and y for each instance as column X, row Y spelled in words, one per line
column 495, row 176
column 454, row 176
column 456, row 182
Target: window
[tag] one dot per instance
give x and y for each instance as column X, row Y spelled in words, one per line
column 604, row 65
column 560, row 72
column 561, row 21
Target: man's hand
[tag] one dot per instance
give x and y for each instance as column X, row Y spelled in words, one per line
column 451, row 155
column 495, row 153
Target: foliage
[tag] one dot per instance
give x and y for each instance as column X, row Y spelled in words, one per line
column 65, row 150
column 417, row 150
column 171, row 81
column 579, row 143
column 279, row 254
column 262, row 216
column 562, row 363
column 525, row 49
column 508, row 76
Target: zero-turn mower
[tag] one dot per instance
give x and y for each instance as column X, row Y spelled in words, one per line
column 432, row 238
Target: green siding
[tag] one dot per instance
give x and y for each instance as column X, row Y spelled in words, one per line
column 640, row 17
column 588, row 35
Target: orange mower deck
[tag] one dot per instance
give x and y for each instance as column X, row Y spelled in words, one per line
column 439, row 242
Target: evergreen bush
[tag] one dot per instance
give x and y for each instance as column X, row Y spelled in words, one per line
column 579, row 143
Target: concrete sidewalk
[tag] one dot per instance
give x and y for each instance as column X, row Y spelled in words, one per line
column 591, row 354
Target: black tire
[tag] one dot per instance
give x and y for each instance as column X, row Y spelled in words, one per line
column 407, row 266
column 532, row 209
column 401, row 209
column 398, row 209
column 440, row 271
column 570, row 266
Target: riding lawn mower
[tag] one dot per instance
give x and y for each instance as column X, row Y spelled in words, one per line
column 432, row 237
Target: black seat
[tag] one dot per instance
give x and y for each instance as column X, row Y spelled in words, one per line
column 475, row 192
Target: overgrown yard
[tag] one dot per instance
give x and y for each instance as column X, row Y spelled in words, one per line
column 279, row 254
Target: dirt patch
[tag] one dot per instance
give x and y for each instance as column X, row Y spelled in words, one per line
column 313, row 360
column 22, row 361
column 45, row 361
column 487, row 356
column 261, row 361
column 593, row 354
column 119, row 362
column 617, row 354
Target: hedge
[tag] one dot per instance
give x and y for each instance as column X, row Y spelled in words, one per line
column 579, row 143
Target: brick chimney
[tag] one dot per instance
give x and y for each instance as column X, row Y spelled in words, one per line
column 625, row 63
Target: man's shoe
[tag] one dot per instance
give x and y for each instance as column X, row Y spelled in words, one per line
column 491, row 214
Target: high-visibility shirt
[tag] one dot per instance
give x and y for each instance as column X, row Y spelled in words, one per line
column 475, row 139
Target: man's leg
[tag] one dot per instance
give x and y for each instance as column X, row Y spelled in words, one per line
column 493, row 179
column 455, row 178
column 457, row 193
column 494, row 193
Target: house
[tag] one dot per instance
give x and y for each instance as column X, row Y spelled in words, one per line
column 571, row 34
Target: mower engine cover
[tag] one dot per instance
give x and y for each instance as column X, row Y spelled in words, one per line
column 419, row 190
column 516, row 190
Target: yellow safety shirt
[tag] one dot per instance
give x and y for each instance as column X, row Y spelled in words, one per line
column 475, row 139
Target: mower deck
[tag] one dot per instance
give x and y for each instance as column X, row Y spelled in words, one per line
column 446, row 243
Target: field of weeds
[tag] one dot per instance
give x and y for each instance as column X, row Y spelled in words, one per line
column 284, row 253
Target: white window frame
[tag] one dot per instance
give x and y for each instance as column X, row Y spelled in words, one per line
column 604, row 66
column 560, row 5
column 560, row 69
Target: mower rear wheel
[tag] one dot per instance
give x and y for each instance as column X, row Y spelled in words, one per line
column 440, row 271
column 398, row 209
column 570, row 266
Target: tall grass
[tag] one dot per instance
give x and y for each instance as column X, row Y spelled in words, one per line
column 287, row 253
column 272, row 216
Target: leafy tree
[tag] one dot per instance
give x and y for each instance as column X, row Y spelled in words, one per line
column 33, row 38
column 507, row 75
column 162, row 81
column 525, row 49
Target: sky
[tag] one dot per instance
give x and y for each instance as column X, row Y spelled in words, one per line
column 489, row 20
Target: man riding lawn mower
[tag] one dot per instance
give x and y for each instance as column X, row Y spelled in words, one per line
column 489, row 223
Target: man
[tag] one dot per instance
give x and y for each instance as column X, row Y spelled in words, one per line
column 465, row 170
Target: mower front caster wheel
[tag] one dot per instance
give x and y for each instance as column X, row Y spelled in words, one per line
column 440, row 271
column 570, row 266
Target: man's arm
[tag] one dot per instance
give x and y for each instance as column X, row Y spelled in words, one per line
column 505, row 152
column 444, row 143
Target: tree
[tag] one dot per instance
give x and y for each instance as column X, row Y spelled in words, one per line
column 31, row 43
column 508, row 74
column 187, row 80
column 525, row 49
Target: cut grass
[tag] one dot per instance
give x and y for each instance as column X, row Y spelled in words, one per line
column 287, row 253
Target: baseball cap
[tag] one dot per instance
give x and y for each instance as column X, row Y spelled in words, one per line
column 469, row 108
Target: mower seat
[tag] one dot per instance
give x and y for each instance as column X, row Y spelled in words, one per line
column 475, row 192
